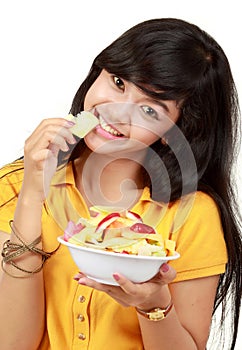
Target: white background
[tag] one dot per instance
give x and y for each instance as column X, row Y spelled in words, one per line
column 47, row 48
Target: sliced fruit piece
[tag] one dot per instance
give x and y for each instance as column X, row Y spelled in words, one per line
column 82, row 236
column 116, row 224
column 153, row 237
column 84, row 123
column 72, row 229
column 132, row 248
column 117, row 242
column 142, row 228
column 91, row 222
column 122, row 222
column 106, row 221
column 133, row 216
column 105, row 210
column 109, row 233
column 170, row 246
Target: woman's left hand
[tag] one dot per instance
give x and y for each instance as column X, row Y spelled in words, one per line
column 142, row 295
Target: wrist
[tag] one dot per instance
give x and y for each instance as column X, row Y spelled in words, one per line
column 30, row 199
column 157, row 313
column 161, row 300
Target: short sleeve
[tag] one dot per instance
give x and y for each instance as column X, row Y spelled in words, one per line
column 200, row 241
column 11, row 177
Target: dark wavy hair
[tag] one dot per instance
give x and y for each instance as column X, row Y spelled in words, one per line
column 171, row 59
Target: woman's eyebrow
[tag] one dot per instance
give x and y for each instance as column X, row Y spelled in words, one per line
column 160, row 103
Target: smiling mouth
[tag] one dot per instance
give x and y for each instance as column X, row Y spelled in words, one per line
column 108, row 128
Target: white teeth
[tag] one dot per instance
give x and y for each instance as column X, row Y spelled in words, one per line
column 108, row 128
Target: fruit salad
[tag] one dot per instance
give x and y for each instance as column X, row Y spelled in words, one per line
column 119, row 232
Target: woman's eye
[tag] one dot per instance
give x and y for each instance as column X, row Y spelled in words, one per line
column 150, row 112
column 118, row 82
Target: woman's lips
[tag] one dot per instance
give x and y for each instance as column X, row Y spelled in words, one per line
column 108, row 127
column 106, row 134
column 107, row 130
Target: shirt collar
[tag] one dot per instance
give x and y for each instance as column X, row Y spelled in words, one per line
column 65, row 175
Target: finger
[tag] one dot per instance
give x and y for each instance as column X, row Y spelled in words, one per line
column 79, row 275
column 127, row 286
column 50, row 140
column 48, row 135
column 55, row 125
column 166, row 273
column 114, row 291
column 60, row 122
column 85, row 281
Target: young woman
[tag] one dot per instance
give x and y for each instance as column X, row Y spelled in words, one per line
column 167, row 108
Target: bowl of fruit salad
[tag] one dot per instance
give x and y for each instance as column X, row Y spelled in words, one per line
column 117, row 241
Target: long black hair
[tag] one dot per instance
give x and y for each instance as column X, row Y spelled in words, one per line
column 171, row 59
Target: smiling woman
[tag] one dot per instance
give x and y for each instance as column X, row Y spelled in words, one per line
column 165, row 109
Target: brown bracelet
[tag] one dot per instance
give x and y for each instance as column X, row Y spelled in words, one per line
column 12, row 251
column 156, row 314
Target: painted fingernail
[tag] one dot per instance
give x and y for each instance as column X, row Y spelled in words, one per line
column 165, row 267
column 116, row 277
column 70, row 123
column 77, row 277
column 82, row 282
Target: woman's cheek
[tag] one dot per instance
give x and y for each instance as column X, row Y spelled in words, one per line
column 144, row 135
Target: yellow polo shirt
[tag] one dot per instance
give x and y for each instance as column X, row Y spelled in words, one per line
column 78, row 317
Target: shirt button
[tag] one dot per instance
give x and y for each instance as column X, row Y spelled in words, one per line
column 81, row 336
column 82, row 299
column 80, row 318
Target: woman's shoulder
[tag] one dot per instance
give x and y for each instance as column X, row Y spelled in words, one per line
column 11, row 177
column 12, row 172
column 204, row 201
column 198, row 202
column 196, row 208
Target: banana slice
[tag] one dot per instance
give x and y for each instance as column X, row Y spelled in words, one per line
column 84, row 123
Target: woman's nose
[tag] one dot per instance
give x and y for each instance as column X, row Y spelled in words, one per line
column 118, row 112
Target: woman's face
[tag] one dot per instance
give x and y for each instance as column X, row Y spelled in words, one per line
column 128, row 119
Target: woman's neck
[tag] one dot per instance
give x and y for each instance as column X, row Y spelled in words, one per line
column 103, row 180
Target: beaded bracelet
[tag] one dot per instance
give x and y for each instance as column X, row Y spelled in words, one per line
column 13, row 250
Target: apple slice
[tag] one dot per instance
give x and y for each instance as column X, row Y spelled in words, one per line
column 133, row 216
column 142, row 228
column 72, row 229
column 84, row 123
column 109, row 233
column 105, row 222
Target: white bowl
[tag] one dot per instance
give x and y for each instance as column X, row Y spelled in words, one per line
column 100, row 265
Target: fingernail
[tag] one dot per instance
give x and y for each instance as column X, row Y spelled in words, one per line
column 165, row 267
column 116, row 276
column 70, row 123
column 82, row 282
column 78, row 276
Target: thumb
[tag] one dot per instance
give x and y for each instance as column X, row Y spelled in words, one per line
column 167, row 273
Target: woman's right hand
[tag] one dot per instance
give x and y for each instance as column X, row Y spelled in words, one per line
column 41, row 154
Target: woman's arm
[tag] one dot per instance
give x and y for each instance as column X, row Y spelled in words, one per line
column 188, row 323
column 22, row 299
column 22, row 309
